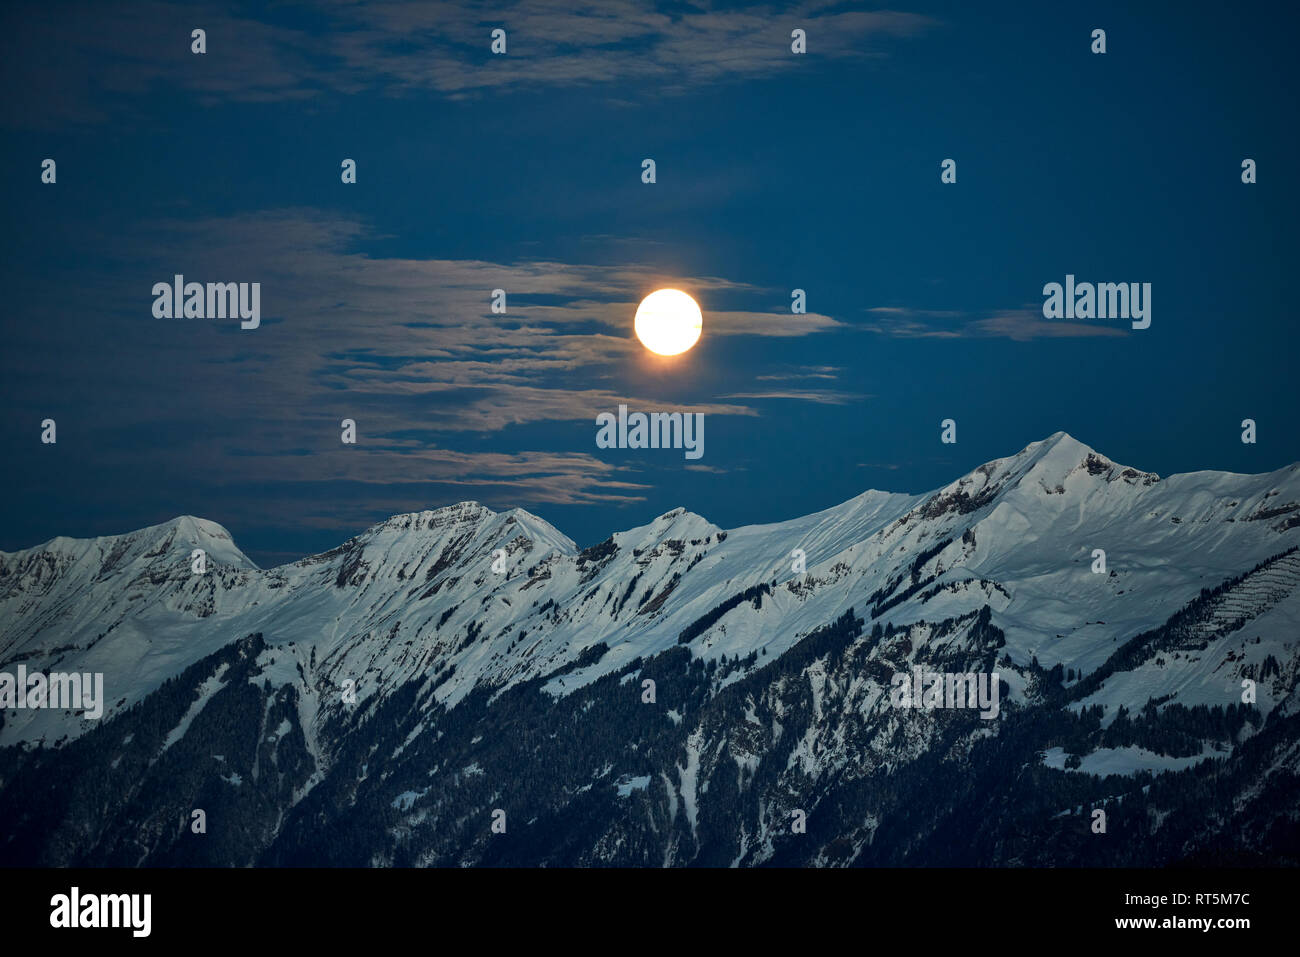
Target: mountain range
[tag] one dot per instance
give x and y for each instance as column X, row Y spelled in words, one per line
column 469, row 687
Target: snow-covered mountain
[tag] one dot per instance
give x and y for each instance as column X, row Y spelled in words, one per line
column 388, row 695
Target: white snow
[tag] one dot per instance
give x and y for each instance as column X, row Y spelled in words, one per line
column 1125, row 761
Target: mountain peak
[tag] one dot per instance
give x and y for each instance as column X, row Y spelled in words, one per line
column 677, row 523
column 682, row 516
column 540, row 529
column 193, row 527
column 1060, row 440
column 1053, row 460
column 462, row 513
column 1059, row 457
column 185, row 532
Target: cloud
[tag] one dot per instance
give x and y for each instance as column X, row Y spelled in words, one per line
column 75, row 53
column 605, row 42
column 783, row 325
column 446, row 395
column 1026, row 324
column 821, row 397
column 558, row 478
column 711, row 469
column 90, row 61
column 803, row 372
column 1021, row 324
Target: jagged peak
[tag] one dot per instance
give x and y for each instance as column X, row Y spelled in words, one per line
column 460, row 519
column 681, row 516
column 677, row 523
column 1052, row 461
column 468, row 512
column 1050, row 466
column 1061, row 455
column 540, row 528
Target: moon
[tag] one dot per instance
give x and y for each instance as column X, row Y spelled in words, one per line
column 668, row 322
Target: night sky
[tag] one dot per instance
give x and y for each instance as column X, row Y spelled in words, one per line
column 775, row 171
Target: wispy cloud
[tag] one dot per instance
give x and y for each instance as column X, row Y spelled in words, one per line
column 561, row 478
column 78, row 52
column 591, row 43
column 1021, row 324
column 820, row 397
column 1025, row 324
column 803, row 372
column 443, row 391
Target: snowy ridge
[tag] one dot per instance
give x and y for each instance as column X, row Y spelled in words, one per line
column 415, row 598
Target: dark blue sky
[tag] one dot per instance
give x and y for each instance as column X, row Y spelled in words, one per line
column 523, row 172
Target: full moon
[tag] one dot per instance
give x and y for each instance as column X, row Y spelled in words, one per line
column 668, row 322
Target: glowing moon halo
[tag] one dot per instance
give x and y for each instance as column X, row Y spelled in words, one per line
column 668, row 322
